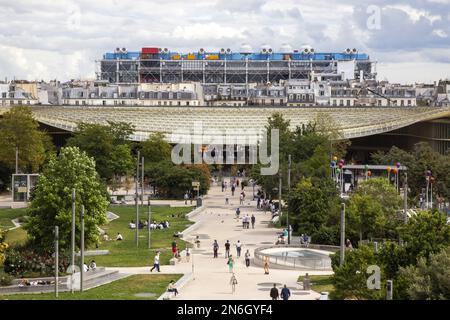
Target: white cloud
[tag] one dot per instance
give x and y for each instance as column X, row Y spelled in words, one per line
column 49, row 39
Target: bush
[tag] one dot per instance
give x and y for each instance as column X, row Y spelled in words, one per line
column 5, row 279
column 22, row 260
column 23, row 219
column 327, row 235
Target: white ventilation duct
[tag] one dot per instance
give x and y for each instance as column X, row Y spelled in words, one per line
column 201, row 51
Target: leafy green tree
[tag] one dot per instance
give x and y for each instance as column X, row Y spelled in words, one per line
column 373, row 210
column 425, row 233
column 350, row 279
column 19, row 130
column 52, row 200
column 418, row 161
column 3, row 247
column 155, row 149
column 428, row 280
column 121, row 162
column 313, row 206
column 100, row 142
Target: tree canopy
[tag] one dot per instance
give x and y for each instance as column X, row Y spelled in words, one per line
column 108, row 145
column 19, row 130
column 51, row 203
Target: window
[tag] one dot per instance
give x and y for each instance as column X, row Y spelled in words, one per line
column 402, row 103
column 3, row 94
column 379, row 102
column 348, row 103
column 341, row 103
column 84, row 102
column 334, row 102
column 187, row 103
column 77, row 102
column 409, row 102
column 104, row 102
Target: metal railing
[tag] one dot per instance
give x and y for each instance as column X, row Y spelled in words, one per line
column 322, row 262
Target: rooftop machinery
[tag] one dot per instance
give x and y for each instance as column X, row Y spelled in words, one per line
column 153, row 64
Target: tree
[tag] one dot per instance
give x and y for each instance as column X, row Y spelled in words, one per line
column 121, row 162
column 100, row 142
column 350, row 279
column 425, row 233
column 52, row 200
column 155, row 149
column 428, row 280
column 19, row 130
column 313, row 205
column 418, row 161
column 373, row 210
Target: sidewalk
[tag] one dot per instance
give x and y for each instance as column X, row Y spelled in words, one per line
column 211, row 276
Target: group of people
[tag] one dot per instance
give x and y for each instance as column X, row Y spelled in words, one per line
column 153, row 225
column 91, row 267
column 188, row 196
column 246, row 221
column 230, row 261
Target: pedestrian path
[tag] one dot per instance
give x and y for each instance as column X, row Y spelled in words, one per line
column 211, row 278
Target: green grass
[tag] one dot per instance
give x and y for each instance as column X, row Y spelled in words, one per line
column 6, row 215
column 16, row 237
column 320, row 283
column 124, row 253
column 124, row 289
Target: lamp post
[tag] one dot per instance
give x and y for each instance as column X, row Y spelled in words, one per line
column 342, row 253
column 82, row 249
column 149, row 218
column 289, row 189
column 73, row 239
column 56, row 260
column 137, row 200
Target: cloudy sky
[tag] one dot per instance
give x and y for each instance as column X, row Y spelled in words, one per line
column 61, row 39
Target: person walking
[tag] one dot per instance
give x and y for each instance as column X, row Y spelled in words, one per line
column 238, row 248
column 233, row 283
column 266, row 265
column 227, row 201
column 174, row 248
column 156, row 263
column 285, row 293
column 238, row 212
column 274, row 292
column 247, row 222
column 247, row 258
column 232, row 190
column 215, row 248
column 230, row 264
column 241, row 199
column 223, row 186
column 188, row 254
column 253, row 221
column 227, row 249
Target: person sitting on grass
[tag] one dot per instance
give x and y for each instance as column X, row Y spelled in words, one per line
column 93, row 265
column 132, row 225
column 119, row 237
column 106, row 237
column 172, row 287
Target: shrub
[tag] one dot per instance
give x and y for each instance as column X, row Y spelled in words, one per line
column 22, row 260
column 5, row 279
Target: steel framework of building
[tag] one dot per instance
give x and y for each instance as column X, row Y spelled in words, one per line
column 136, row 67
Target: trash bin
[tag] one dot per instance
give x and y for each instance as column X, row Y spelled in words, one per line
column 199, row 202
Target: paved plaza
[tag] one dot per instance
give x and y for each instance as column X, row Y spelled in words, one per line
column 211, row 278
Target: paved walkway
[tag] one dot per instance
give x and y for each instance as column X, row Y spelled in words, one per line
column 211, row 276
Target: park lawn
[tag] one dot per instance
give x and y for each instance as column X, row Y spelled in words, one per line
column 320, row 283
column 123, row 289
column 6, row 215
column 16, row 236
column 124, row 253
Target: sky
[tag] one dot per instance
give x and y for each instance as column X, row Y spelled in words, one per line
column 62, row 39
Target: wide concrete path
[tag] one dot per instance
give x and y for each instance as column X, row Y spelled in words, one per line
column 211, row 276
